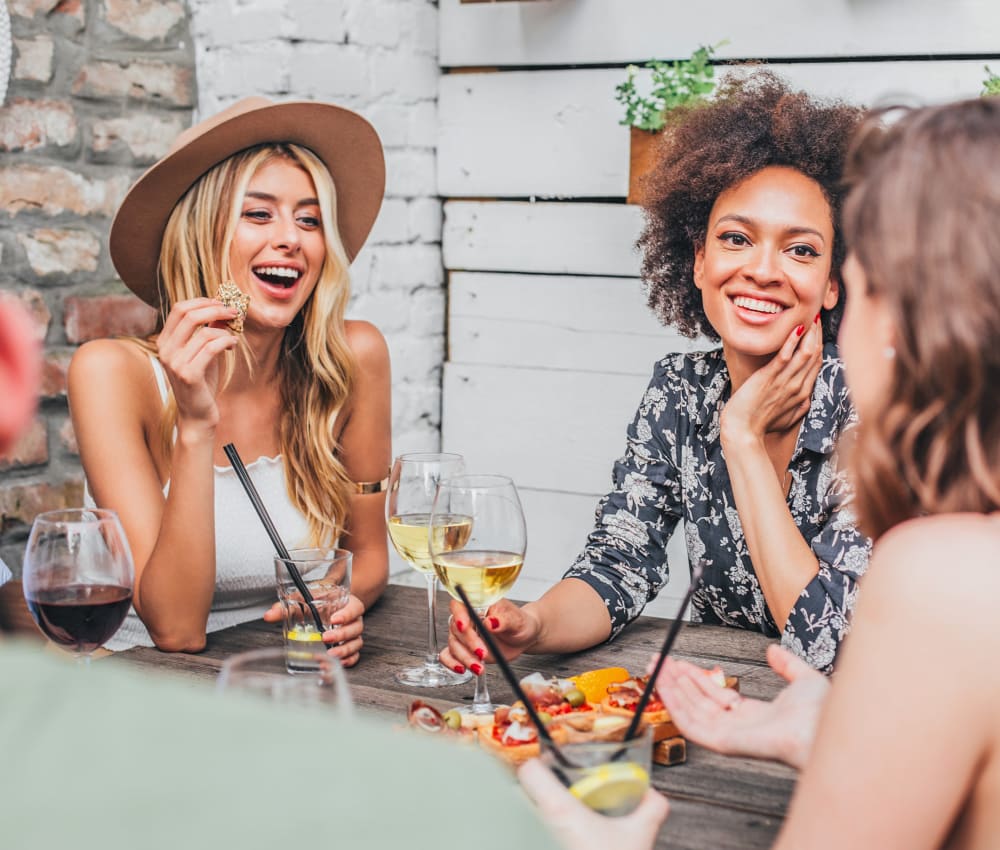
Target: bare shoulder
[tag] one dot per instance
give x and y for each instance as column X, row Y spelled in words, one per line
column 940, row 569
column 368, row 345
column 102, row 362
column 961, row 540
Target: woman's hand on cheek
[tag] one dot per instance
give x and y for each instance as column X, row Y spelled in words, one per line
column 776, row 396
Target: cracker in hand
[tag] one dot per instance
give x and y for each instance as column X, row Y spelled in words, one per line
column 232, row 296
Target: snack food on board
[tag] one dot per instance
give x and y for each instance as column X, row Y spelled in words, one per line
column 565, row 708
column 426, row 718
column 513, row 736
column 232, row 296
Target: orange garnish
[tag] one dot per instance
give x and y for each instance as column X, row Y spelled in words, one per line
column 594, row 683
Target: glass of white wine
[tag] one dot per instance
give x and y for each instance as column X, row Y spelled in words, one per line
column 412, row 485
column 489, row 561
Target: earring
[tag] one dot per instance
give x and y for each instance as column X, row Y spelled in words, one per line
column 889, row 353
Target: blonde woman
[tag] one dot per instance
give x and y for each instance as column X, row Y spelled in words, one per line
column 276, row 200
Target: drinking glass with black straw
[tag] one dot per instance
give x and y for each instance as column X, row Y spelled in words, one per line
column 272, row 532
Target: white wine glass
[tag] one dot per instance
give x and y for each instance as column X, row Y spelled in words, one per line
column 490, row 560
column 78, row 577
column 412, row 485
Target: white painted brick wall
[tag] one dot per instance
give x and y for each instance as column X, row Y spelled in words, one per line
column 380, row 58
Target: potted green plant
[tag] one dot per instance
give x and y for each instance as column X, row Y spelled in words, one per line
column 672, row 84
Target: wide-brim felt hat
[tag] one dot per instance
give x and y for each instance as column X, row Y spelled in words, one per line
column 346, row 143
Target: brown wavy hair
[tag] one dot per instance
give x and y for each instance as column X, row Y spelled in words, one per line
column 754, row 121
column 922, row 220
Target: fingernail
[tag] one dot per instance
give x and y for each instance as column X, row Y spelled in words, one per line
column 494, row 623
column 799, row 330
column 459, row 625
column 480, row 653
column 817, row 317
column 476, row 668
column 458, row 668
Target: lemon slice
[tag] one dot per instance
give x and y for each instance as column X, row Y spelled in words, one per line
column 612, row 789
column 305, row 635
column 594, row 683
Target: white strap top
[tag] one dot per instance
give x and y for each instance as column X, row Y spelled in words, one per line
column 244, row 565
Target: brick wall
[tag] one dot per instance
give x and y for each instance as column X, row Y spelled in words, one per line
column 378, row 57
column 100, row 88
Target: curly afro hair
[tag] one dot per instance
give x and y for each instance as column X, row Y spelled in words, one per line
column 754, row 122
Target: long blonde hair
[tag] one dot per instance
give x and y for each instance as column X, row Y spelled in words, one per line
column 922, row 221
column 315, row 364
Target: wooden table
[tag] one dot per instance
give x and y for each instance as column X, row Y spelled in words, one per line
column 716, row 802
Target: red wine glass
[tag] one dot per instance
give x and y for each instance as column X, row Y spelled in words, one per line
column 78, row 577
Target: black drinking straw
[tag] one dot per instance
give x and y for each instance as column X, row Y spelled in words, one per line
column 543, row 733
column 272, row 532
column 675, row 628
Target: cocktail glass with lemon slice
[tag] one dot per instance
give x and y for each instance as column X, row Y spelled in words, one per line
column 610, row 777
column 327, row 574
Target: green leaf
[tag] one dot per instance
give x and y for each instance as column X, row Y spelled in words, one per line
column 673, row 84
column 991, row 85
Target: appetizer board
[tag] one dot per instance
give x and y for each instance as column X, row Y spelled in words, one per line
column 597, row 705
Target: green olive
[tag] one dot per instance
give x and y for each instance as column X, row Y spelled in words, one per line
column 452, row 719
column 545, row 717
column 575, row 697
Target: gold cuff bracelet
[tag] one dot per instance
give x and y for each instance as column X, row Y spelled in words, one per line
column 365, row 488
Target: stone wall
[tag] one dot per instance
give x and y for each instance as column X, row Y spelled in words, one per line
column 98, row 90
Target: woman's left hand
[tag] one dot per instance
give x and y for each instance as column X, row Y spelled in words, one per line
column 577, row 827
column 344, row 639
column 777, row 396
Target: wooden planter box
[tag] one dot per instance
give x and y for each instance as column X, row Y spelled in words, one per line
column 642, row 157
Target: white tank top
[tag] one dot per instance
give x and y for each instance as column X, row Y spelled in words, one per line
column 244, row 555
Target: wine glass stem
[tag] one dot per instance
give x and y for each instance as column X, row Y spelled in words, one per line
column 481, row 703
column 431, row 659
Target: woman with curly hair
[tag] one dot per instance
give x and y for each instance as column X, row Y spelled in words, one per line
column 242, row 237
column 742, row 246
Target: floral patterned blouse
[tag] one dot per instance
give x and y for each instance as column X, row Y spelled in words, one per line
column 673, row 469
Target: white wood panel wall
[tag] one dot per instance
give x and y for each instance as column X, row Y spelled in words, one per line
column 550, row 343
column 584, row 32
column 555, row 134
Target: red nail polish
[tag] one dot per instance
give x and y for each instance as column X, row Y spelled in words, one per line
column 460, row 625
column 476, row 668
column 799, row 330
column 817, row 318
column 494, row 623
column 480, row 653
column 458, row 668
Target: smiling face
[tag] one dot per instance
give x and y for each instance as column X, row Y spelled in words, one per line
column 765, row 265
column 278, row 246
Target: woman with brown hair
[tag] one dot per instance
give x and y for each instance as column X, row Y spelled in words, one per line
column 742, row 246
column 270, row 203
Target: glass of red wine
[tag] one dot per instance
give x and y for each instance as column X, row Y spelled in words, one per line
column 78, row 577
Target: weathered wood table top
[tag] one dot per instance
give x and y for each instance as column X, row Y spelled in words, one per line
column 716, row 802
